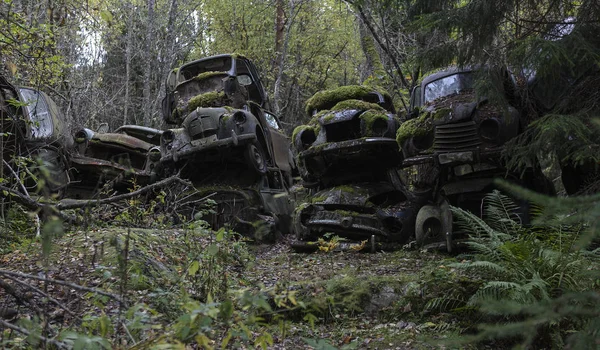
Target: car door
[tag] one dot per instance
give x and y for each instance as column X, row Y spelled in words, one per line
column 281, row 143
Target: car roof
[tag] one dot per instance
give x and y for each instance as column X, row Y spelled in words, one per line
column 445, row 73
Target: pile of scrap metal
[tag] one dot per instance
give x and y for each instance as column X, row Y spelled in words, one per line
column 457, row 138
column 223, row 138
column 347, row 157
column 228, row 143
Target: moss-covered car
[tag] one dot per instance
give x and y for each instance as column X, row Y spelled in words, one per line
column 222, row 111
column 458, row 137
column 375, row 211
column 450, row 123
column 350, row 126
column 131, row 153
column 33, row 135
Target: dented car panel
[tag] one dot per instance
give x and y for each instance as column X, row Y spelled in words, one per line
column 32, row 126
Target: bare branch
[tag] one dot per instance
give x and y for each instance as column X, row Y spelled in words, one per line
column 64, row 283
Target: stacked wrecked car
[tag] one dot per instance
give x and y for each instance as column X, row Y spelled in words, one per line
column 347, row 154
column 228, row 143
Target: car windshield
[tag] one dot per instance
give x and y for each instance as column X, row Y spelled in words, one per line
column 220, row 64
column 449, row 85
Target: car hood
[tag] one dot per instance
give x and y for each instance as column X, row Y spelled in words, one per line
column 338, row 116
column 122, row 140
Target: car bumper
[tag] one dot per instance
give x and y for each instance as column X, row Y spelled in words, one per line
column 104, row 167
column 203, row 145
column 351, row 148
column 455, row 158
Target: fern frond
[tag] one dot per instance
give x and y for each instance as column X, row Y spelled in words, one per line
column 445, row 303
column 501, row 212
column 480, row 265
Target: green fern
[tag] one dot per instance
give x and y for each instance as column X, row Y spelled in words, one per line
column 521, row 266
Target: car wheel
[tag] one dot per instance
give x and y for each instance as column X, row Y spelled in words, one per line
column 428, row 226
column 255, row 157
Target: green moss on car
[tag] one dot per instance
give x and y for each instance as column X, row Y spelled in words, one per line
column 326, row 99
column 209, row 99
column 419, row 126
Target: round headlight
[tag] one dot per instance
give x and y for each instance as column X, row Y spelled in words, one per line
column 239, row 118
column 489, row 129
column 154, row 154
column 307, row 137
column 379, row 127
column 424, row 142
column 81, row 136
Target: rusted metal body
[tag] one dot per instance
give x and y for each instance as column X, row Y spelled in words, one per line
column 115, row 159
column 33, row 127
column 346, row 156
column 225, row 136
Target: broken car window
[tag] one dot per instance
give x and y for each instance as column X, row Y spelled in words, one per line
column 449, row 85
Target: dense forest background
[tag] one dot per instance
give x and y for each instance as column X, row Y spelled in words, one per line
column 106, row 62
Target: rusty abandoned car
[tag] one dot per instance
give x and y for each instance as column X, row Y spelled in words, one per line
column 380, row 211
column 226, row 138
column 350, row 126
column 34, row 139
column 104, row 161
column 347, row 155
column 457, row 138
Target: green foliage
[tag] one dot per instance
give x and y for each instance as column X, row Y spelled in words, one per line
column 577, row 137
column 521, row 274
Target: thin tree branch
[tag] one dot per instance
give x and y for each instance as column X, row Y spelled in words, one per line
column 64, row 283
column 77, row 203
column 56, row 343
column 45, row 295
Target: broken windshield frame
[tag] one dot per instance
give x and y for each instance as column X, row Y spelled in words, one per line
column 452, row 84
column 39, row 113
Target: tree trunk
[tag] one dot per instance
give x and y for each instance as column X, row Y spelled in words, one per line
column 127, row 63
column 147, row 108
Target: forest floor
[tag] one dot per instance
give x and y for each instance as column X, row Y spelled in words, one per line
column 349, row 299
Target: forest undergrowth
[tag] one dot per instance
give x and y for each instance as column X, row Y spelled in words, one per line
column 151, row 285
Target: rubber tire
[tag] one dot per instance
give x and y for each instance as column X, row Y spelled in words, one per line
column 255, row 157
column 426, row 212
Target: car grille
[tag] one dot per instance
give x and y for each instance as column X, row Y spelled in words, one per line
column 456, row 137
column 343, row 130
